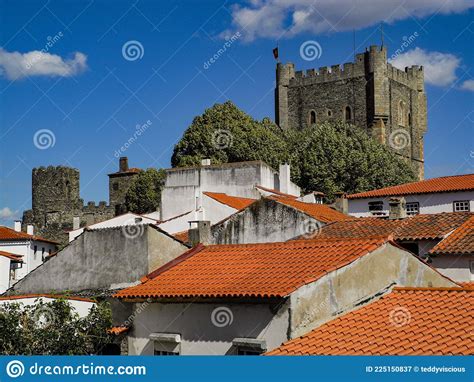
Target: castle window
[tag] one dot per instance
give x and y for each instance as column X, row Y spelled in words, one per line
column 401, row 113
column 312, row 117
column 348, row 114
column 115, row 186
column 329, row 113
column 409, row 119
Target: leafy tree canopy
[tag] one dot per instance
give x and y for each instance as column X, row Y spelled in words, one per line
column 144, row 193
column 53, row 328
column 330, row 157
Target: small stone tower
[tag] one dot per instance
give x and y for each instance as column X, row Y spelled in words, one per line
column 119, row 182
column 370, row 93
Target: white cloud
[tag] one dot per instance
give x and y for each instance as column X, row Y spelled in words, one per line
column 439, row 68
column 15, row 65
column 468, row 85
column 278, row 18
column 6, row 213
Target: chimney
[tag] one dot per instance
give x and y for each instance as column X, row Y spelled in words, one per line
column 76, row 223
column 17, row 226
column 341, row 203
column 201, row 234
column 205, row 162
column 285, row 178
column 123, row 164
column 397, row 208
column 30, row 229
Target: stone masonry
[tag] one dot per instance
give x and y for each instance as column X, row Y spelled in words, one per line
column 56, row 200
column 370, row 93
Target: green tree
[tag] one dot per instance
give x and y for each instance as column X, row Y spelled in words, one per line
column 144, row 194
column 53, row 328
column 331, row 157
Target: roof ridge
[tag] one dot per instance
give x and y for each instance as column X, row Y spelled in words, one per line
column 427, row 289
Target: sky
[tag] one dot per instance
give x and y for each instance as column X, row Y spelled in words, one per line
column 79, row 78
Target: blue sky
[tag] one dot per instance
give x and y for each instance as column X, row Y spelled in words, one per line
column 89, row 92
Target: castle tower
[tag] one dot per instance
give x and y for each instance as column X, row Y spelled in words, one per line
column 55, row 189
column 119, row 182
column 389, row 103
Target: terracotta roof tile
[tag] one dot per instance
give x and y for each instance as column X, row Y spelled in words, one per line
column 418, row 227
column 232, row 201
column 116, row 330
column 321, row 212
column 428, row 186
column 11, row 256
column 182, row 236
column 408, row 321
column 250, row 270
column 10, row 234
column 459, row 242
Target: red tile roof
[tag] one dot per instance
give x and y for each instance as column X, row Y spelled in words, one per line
column 11, row 256
column 459, row 242
column 182, row 236
column 232, row 201
column 428, row 186
column 272, row 191
column 321, row 212
column 10, row 234
column 250, row 270
column 408, row 321
column 418, row 227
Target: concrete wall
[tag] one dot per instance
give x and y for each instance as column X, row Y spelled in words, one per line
column 81, row 307
column 263, row 222
column 194, row 322
column 429, row 203
column 184, row 186
column 340, row 291
column 459, row 268
column 107, row 258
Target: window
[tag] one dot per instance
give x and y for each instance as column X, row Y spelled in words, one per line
column 248, row 351
column 401, row 113
column 312, row 117
column 413, row 208
column 348, row 114
column 165, row 352
column 35, row 250
column 329, row 113
column 461, row 206
column 409, row 119
column 376, row 208
column 115, row 186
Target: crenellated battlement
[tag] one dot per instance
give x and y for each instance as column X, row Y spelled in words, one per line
column 327, row 74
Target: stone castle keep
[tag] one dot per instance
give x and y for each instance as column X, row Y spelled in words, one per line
column 56, row 204
column 370, row 93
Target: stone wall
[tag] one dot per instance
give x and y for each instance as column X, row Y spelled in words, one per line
column 370, row 88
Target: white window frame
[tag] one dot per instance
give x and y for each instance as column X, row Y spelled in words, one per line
column 409, row 206
column 376, row 212
column 457, row 205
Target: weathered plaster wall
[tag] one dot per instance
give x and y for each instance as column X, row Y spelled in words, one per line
column 340, row 291
column 102, row 259
column 193, row 321
column 263, row 222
